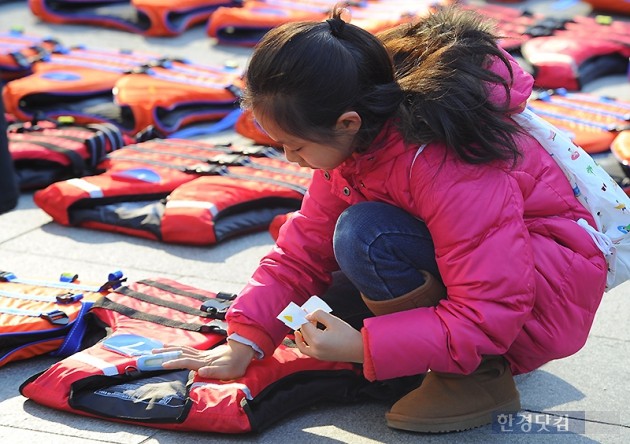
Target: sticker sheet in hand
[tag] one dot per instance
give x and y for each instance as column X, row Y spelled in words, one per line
column 294, row 316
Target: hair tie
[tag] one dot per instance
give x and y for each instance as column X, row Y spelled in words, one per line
column 336, row 26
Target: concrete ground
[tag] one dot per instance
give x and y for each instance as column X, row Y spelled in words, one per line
column 592, row 385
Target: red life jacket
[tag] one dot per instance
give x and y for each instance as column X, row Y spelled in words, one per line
column 585, row 49
column 38, row 317
column 47, row 151
column 100, row 382
column 515, row 26
column 614, row 6
column 190, row 192
column 146, row 17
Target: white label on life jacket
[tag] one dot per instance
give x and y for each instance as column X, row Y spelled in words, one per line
column 193, row 204
column 215, row 386
column 86, row 186
column 104, row 366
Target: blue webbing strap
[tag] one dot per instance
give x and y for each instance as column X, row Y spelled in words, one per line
column 72, row 343
column 226, row 123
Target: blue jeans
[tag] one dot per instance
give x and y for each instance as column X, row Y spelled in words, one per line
column 381, row 250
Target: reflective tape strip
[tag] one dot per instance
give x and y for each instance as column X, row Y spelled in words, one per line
column 28, row 297
column 193, row 204
column 215, row 386
column 18, row 312
column 104, row 366
column 86, row 186
column 53, row 284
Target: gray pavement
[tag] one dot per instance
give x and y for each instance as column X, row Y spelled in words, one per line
column 592, row 384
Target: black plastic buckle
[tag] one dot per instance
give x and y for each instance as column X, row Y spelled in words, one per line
column 217, row 307
column 56, row 317
column 68, row 298
column 163, row 62
column 229, row 159
column 112, row 284
column 205, row 169
column 148, row 133
column 140, row 69
column 20, row 59
column 216, row 326
column 255, row 151
column 238, row 92
column 6, row 276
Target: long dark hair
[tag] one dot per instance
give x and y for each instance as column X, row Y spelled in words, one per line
column 442, row 66
column 305, row 75
column 430, row 77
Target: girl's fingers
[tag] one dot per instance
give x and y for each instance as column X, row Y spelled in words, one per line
column 187, row 362
column 320, row 316
column 302, row 345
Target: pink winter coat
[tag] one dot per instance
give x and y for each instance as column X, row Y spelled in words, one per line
column 523, row 278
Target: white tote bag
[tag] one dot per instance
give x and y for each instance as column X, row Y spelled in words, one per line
column 595, row 189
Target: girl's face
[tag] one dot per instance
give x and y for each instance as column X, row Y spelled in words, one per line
column 313, row 154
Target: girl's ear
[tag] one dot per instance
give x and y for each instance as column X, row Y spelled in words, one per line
column 349, row 123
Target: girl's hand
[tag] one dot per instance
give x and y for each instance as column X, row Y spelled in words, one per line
column 337, row 342
column 227, row 361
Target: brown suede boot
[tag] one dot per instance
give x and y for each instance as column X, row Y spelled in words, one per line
column 427, row 295
column 448, row 402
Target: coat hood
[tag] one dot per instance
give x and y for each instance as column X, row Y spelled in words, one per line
column 520, row 86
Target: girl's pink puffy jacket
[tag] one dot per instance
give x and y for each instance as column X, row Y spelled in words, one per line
column 523, row 278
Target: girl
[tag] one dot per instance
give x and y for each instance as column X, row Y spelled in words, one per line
column 457, row 228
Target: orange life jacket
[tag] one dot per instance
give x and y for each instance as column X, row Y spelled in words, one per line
column 131, row 90
column 172, row 94
column 247, row 24
column 247, row 126
column 75, row 82
column 39, row 317
column 146, row 17
column 591, row 121
column 19, row 51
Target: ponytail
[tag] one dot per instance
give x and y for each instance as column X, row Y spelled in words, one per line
column 442, row 67
column 304, row 75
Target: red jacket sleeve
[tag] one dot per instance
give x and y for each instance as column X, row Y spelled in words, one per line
column 298, row 266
